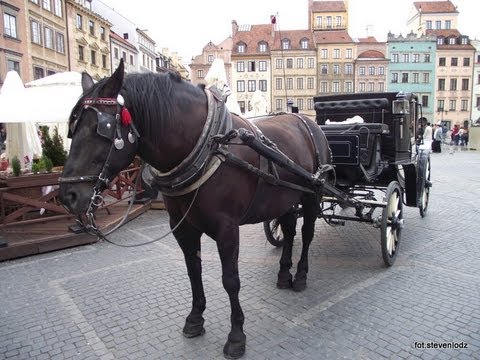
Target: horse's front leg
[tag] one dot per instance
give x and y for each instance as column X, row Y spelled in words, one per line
column 189, row 240
column 227, row 240
column 288, row 223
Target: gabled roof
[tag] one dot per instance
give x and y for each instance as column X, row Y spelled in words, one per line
column 295, row 37
column 332, row 37
column 433, row 7
column 443, row 32
column 251, row 36
column 121, row 40
column 371, row 54
column 328, row 6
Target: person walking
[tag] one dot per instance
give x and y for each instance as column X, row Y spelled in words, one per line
column 437, row 138
column 428, row 136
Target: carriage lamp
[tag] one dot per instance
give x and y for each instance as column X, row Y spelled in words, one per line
column 401, row 106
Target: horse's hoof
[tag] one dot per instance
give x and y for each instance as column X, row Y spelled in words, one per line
column 193, row 330
column 299, row 284
column 234, row 350
column 284, row 282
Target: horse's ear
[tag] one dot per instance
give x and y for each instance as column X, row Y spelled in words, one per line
column 87, row 81
column 114, row 83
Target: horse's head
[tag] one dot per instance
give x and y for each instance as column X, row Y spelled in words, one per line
column 104, row 142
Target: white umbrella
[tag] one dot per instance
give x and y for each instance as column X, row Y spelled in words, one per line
column 22, row 137
column 217, row 76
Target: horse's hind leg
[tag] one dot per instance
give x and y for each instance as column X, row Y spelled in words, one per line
column 309, row 216
column 288, row 223
column 227, row 238
column 189, row 240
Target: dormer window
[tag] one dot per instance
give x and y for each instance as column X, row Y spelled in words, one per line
column 304, row 43
column 464, row 40
column 285, row 44
column 451, row 41
column 262, row 46
column 241, row 48
column 440, row 41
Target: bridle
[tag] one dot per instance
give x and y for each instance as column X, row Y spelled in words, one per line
column 108, row 126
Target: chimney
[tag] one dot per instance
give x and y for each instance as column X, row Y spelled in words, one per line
column 125, row 36
column 310, row 13
column 234, row 27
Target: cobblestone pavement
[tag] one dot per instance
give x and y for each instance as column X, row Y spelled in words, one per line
column 104, row 302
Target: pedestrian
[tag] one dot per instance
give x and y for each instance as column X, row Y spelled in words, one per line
column 454, row 135
column 437, row 138
column 465, row 137
column 428, row 135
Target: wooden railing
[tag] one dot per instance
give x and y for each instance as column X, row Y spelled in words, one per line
column 34, row 198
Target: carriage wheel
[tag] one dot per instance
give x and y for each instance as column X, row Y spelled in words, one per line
column 425, row 193
column 392, row 223
column 273, row 232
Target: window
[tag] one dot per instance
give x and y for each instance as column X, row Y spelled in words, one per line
column 251, row 66
column 440, row 40
column 34, row 1
column 442, row 61
column 381, row 70
column 324, row 87
column 131, row 60
column 416, row 58
column 371, row 86
column 300, row 104
column 394, row 77
column 336, row 87
column 240, row 66
column 465, row 84
column 38, row 72
column 395, row 58
column 252, row 85
column 285, row 44
column 60, row 43
column 338, row 21
column 429, row 24
column 310, row 83
column 91, row 27
column 464, row 105
column 304, row 44
column 441, row 84
column 466, row 61
column 438, row 24
column 104, row 61
column 319, row 21
column 241, row 48
column 348, row 54
column 241, row 104
column 324, row 53
column 381, row 86
column 262, row 47
column 310, row 104
column 57, row 7
column 279, row 63
column 311, row 63
column 10, row 25
column 115, row 53
column 426, row 78
column 361, row 70
column 124, row 56
column 464, row 40
column 200, row 74
column 324, row 69
column 278, row 104
column 13, row 65
column 336, row 53
column 36, row 33
column 300, row 83
column 262, row 85
column 240, row 85
column 262, row 65
column 416, row 78
column 289, row 63
column 300, row 63
column 336, row 69
column 278, row 84
column 329, row 22
column 451, row 41
column 79, row 22
column 426, row 58
column 210, row 59
column 102, row 33
column 348, row 69
column 362, row 87
column 47, row 5
column 93, row 57
column 348, row 86
column 425, row 100
column 478, row 101
column 48, row 38
column 406, row 58
column 289, row 83
column 371, row 70
column 440, row 105
column 453, row 84
column 452, row 105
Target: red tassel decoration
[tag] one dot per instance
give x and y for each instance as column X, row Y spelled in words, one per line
column 126, row 117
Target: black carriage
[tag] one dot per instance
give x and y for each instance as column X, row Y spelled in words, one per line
column 378, row 163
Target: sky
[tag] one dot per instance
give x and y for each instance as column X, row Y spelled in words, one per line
column 187, row 26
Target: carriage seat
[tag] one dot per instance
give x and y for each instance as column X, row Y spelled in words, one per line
column 341, row 128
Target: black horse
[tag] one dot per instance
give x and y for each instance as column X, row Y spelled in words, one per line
column 202, row 169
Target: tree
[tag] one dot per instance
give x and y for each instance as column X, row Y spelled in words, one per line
column 53, row 146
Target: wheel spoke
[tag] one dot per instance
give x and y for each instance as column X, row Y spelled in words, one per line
column 389, row 240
